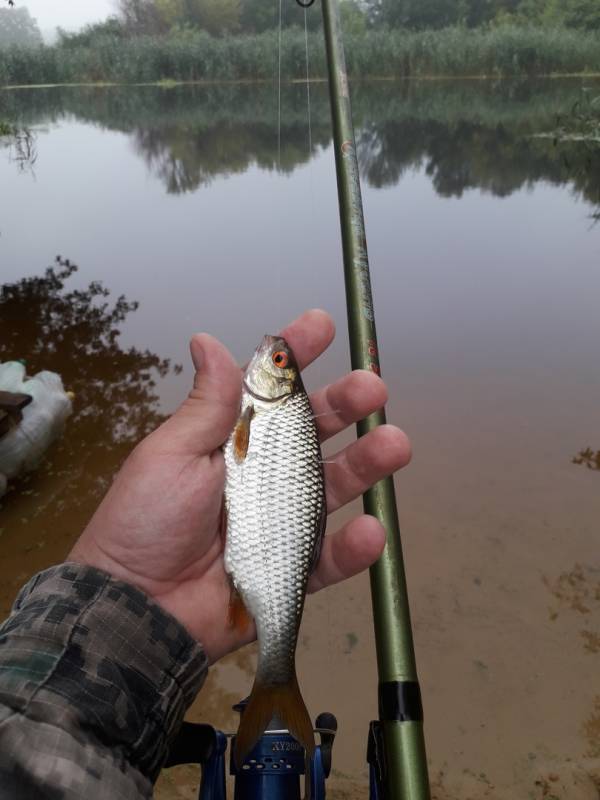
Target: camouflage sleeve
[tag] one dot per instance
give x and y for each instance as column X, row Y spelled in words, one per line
column 94, row 681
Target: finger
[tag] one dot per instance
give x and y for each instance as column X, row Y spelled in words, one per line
column 309, row 335
column 208, row 415
column 349, row 551
column 347, row 401
column 349, row 473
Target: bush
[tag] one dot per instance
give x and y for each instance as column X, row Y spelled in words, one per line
column 189, row 55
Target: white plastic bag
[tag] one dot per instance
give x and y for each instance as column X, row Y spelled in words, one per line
column 43, row 419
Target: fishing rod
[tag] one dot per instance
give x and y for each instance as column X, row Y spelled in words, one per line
column 396, row 740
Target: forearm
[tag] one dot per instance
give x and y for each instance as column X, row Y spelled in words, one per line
column 94, row 681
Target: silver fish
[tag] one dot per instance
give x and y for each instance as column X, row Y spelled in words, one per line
column 275, row 509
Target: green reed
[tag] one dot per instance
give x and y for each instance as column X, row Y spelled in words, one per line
column 195, row 56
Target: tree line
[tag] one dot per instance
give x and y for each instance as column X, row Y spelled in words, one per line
column 226, row 17
column 422, row 14
column 255, row 16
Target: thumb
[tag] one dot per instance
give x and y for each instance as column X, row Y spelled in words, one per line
column 207, row 416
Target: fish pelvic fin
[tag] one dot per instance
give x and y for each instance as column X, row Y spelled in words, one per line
column 284, row 702
column 239, row 618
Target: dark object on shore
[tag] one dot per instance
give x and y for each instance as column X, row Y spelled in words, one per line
column 11, row 410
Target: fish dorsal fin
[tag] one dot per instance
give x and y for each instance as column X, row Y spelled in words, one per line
column 241, row 434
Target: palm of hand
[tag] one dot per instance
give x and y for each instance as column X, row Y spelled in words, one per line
column 159, row 527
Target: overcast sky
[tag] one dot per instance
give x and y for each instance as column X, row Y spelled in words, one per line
column 69, row 14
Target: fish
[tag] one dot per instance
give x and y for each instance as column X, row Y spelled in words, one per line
column 275, row 514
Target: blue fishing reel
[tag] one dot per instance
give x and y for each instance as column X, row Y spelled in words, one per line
column 272, row 771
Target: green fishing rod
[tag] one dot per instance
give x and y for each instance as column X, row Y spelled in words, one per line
column 397, row 744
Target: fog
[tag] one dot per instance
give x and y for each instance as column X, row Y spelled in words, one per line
column 69, row 14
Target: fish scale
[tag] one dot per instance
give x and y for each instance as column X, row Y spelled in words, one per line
column 275, row 502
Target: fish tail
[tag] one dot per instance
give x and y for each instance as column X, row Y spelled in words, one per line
column 266, row 701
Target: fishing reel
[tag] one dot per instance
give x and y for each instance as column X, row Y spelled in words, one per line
column 306, row 3
column 273, row 769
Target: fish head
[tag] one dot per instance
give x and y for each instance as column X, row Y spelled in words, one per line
column 273, row 372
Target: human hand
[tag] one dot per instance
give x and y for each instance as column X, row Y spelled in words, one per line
column 159, row 525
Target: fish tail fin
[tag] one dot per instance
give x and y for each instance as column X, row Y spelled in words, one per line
column 284, row 702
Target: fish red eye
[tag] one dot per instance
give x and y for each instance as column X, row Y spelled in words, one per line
column 280, row 359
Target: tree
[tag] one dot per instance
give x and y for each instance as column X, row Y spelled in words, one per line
column 217, row 17
column 214, row 16
column 17, row 26
column 354, row 17
column 88, row 36
column 141, row 16
column 582, row 14
column 418, row 14
column 171, row 12
column 258, row 16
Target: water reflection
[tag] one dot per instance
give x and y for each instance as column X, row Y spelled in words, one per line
column 589, row 458
column 496, row 159
column 495, row 137
column 21, row 144
column 75, row 332
column 185, row 159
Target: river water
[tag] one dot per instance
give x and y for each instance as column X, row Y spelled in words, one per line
column 485, row 254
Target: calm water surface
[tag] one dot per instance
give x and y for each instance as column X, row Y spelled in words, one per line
column 486, row 272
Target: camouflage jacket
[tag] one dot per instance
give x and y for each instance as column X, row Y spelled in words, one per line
column 94, row 681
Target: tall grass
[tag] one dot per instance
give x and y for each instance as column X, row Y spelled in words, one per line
column 499, row 52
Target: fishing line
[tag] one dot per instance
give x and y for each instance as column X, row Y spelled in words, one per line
column 308, row 80
column 278, row 222
column 279, row 87
column 311, row 192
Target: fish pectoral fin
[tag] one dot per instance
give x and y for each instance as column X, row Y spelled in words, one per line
column 284, row 702
column 241, row 434
column 239, row 618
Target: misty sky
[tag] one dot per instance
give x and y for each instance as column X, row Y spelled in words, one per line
column 67, row 14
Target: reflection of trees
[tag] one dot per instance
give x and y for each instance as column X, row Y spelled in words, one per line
column 227, row 131
column 589, row 458
column 482, row 135
column 76, row 334
column 582, row 126
column 21, row 146
column 473, row 156
column 186, row 159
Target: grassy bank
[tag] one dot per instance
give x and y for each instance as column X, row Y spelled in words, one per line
column 498, row 52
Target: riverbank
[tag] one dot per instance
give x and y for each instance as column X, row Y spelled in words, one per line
column 169, row 83
column 501, row 52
